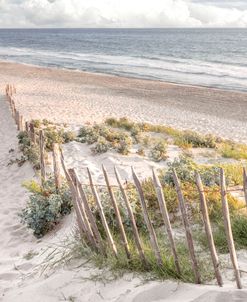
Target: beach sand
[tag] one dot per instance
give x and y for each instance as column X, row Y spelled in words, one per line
column 74, row 98
column 77, row 97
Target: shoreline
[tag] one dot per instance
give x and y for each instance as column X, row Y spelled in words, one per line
column 128, row 77
column 76, row 97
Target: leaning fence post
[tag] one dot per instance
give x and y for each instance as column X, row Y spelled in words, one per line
column 132, row 219
column 75, row 205
column 90, row 215
column 32, row 133
column 228, row 228
column 88, row 230
column 152, row 235
column 56, row 166
column 245, row 184
column 102, row 214
column 17, row 119
column 208, row 229
column 117, row 213
column 20, row 122
column 187, row 228
column 42, row 156
column 165, row 215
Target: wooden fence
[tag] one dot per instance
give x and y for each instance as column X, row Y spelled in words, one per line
column 87, row 221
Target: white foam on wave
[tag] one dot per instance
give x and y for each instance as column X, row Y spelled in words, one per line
column 188, row 71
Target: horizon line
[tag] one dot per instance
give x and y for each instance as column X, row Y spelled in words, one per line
column 186, row 27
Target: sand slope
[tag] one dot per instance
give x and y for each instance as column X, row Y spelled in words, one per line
column 20, row 278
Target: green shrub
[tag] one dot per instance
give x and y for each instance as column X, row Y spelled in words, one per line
column 52, row 135
column 197, row 140
column 185, row 168
column 30, row 151
column 159, row 151
column 68, row 136
column 233, row 150
column 45, row 207
column 36, row 123
column 88, row 135
column 123, row 123
column 124, row 144
column 234, row 173
column 101, row 146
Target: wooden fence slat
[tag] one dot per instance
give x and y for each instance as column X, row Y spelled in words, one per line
column 27, row 127
column 152, row 235
column 245, row 184
column 187, row 228
column 42, row 156
column 17, row 119
column 228, row 228
column 117, row 213
column 57, row 166
column 102, row 215
column 90, row 216
column 32, row 133
column 132, row 219
column 88, row 230
column 21, row 128
column 75, row 205
column 165, row 216
column 208, row 229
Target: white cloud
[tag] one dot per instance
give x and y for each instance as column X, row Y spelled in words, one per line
column 122, row 13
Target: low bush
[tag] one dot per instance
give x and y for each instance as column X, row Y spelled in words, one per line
column 45, row 207
column 88, row 135
column 233, row 150
column 124, row 145
column 30, row 151
column 101, row 146
column 195, row 140
column 159, row 151
column 185, row 168
column 59, row 136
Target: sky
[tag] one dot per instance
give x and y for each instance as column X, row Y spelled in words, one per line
column 122, row 13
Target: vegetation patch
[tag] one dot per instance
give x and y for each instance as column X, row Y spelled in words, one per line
column 46, row 206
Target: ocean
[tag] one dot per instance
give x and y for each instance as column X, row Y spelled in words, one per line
column 205, row 57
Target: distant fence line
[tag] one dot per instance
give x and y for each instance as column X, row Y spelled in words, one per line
column 87, row 221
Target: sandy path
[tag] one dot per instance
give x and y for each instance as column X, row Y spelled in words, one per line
column 77, row 97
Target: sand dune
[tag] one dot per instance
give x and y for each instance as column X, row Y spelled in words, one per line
column 21, row 255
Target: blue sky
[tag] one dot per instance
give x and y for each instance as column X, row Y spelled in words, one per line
column 123, row 13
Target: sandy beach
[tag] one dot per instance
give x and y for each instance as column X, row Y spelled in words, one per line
column 77, row 97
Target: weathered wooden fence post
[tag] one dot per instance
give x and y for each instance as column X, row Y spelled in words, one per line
column 132, row 219
column 42, row 156
column 56, row 166
column 102, row 215
column 88, row 230
column 152, row 235
column 228, row 228
column 208, row 229
column 90, row 216
column 117, row 213
column 32, row 133
column 187, row 228
column 245, row 184
column 165, row 216
column 74, row 200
